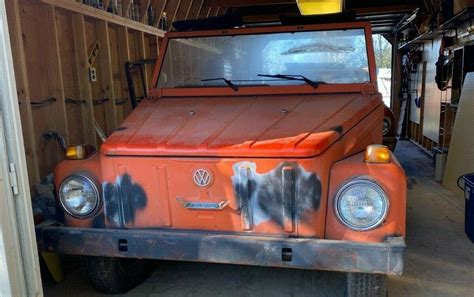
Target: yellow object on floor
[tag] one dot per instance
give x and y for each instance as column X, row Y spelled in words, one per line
column 313, row 7
column 53, row 262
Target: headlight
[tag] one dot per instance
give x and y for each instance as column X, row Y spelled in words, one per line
column 78, row 196
column 361, row 205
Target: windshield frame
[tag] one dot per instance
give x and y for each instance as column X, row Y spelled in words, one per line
column 265, row 90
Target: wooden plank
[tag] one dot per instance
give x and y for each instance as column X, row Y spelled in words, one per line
column 222, row 11
column 195, row 9
column 159, row 6
column 237, row 3
column 104, row 15
column 116, row 71
column 183, row 10
column 96, row 87
column 106, row 4
column 55, row 75
column 171, row 10
column 126, row 7
column 213, row 11
column 124, row 56
column 385, row 9
column 142, row 53
column 69, row 74
column 21, row 77
column 134, row 50
column 204, row 12
column 107, row 79
column 189, row 10
column 39, row 84
column 151, row 52
column 85, row 89
column 144, row 9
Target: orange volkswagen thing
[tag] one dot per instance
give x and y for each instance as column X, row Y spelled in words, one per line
column 256, row 146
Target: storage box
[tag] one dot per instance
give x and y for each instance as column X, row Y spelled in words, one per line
column 468, row 188
column 460, row 5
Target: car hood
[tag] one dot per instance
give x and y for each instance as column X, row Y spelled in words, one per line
column 254, row 126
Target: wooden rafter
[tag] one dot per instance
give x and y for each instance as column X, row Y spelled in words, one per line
column 204, row 12
column 183, row 10
column 106, row 4
column 126, row 7
column 222, row 10
column 213, row 11
column 105, row 16
column 385, row 9
column 171, row 9
column 159, row 6
column 195, row 9
column 236, row 3
column 144, row 9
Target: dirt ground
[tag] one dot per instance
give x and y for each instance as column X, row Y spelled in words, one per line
column 440, row 258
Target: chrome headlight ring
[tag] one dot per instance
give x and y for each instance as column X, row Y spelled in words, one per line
column 72, row 184
column 356, row 203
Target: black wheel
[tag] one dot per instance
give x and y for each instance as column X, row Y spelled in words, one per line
column 366, row 285
column 116, row 275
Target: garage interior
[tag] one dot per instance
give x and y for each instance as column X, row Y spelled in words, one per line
column 75, row 63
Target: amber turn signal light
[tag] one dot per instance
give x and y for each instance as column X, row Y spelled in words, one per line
column 79, row 152
column 377, row 153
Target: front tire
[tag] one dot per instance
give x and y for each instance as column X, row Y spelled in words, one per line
column 115, row 275
column 366, row 285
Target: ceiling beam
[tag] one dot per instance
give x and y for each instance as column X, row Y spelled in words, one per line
column 195, row 9
column 385, row 9
column 171, row 9
column 238, row 3
column 183, row 10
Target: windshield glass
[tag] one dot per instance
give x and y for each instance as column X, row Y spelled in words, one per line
column 332, row 57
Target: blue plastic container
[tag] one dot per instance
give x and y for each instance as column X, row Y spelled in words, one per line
column 466, row 183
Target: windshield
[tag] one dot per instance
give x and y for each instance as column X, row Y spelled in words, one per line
column 332, row 57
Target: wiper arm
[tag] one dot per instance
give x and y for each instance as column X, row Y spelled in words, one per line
column 228, row 82
column 310, row 82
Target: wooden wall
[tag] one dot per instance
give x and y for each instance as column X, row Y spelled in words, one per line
column 51, row 41
column 51, row 44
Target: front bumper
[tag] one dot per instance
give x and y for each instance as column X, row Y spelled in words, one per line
column 318, row 254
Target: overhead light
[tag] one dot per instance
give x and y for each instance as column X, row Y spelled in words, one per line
column 313, row 7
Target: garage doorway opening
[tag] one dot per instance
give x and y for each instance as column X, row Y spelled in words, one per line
column 383, row 57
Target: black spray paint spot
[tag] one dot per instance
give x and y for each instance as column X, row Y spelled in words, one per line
column 122, row 200
column 277, row 196
column 99, row 221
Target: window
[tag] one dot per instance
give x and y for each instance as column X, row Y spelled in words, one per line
column 332, row 57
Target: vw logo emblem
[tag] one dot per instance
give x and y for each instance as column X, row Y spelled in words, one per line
column 202, row 177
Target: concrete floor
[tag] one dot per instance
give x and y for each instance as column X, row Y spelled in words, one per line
column 440, row 259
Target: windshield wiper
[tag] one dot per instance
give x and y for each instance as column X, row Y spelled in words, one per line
column 312, row 83
column 228, row 82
